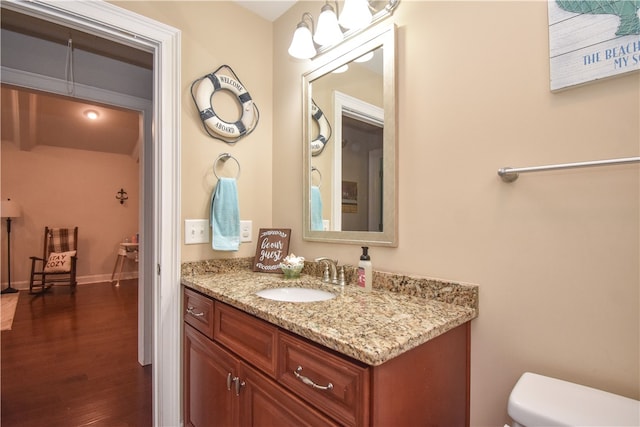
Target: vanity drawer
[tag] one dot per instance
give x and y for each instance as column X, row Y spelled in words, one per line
column 345, row 399
column 198, row 312
column 252, row 339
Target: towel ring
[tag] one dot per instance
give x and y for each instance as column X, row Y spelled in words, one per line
column 315, row 169
column 224, row 157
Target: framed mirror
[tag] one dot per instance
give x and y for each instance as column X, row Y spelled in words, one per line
column 350, row 144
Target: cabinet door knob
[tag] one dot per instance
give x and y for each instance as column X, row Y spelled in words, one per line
column 309, row 382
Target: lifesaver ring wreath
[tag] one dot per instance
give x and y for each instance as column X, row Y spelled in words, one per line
column 324, row 130
column 202, row 91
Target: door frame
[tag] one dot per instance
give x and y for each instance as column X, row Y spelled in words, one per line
column 159, row 297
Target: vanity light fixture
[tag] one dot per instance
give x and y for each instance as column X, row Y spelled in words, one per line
column 328, row 32
column 302, row 44
column 91, row 114
column 331, row 29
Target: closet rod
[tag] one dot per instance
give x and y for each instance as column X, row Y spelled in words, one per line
column 511, row 174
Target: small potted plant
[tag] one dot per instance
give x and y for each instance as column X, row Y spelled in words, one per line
column 291, row 266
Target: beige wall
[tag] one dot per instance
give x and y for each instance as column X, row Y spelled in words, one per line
column 214, row 34
column 60, row 187
column 556, row 254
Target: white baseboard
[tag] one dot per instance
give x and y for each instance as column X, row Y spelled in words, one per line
column 82, row 280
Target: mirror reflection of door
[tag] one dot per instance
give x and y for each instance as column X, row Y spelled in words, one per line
column 358, row 184
column 362, row 166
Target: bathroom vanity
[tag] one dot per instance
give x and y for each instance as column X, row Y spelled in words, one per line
column 380, row 358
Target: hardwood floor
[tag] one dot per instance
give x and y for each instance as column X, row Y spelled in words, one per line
column 71, row 360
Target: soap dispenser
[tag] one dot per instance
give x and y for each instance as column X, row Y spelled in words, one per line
column 365, row 274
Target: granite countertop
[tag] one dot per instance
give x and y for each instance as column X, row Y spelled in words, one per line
column 400, row 313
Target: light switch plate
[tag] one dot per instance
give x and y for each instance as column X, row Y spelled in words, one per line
column 196, row 231
column 246, row 230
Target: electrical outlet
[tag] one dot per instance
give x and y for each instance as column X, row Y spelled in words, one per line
column 196, row 231
column 246, row 230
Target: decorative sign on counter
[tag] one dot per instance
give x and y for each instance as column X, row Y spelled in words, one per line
column 272, row 248
column 591, row 40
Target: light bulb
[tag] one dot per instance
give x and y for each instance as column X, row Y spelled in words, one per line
column 302, row 45
column 328, row 31
column 355, row 14
column 91, row 114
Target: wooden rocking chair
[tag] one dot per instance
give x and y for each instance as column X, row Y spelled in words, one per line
column 58, row 262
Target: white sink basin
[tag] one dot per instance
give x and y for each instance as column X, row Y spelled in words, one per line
column 295, row 294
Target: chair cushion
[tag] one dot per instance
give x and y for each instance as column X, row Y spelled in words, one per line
column 59, row 262
column 61, row 240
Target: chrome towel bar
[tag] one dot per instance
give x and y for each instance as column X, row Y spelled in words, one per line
column 511, row 174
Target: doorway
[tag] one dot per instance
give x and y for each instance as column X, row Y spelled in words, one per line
column 66, row 170
column 160, row 251
column 357, row 164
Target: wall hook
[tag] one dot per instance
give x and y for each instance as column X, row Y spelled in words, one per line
column 122, row 196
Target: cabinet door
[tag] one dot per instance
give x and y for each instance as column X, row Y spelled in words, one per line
column 265, row 404
column 208, row 401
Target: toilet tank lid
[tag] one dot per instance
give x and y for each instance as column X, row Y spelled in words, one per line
column 537, row 400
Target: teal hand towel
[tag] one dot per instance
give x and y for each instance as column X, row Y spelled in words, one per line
column 316, row 209
column 225, row 216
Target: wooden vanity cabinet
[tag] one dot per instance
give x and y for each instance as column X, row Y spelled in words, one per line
column 221, row 387
column 428, row 385
column 221, row 390
column 252, row 373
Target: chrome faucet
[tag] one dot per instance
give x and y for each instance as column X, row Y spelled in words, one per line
column 329, row 263
column 333, row 265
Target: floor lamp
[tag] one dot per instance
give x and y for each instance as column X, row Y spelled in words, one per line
column 9, row 210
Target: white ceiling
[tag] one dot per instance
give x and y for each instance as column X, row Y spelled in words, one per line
column 31, row 118
column 270, row 10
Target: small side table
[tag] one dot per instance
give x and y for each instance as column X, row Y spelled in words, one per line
column 123, row 250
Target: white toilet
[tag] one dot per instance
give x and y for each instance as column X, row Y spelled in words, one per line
column 538, row 401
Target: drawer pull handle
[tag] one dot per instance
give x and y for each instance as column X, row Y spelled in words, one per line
column 191, row 311
column 309, row 382
column 229, row 380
